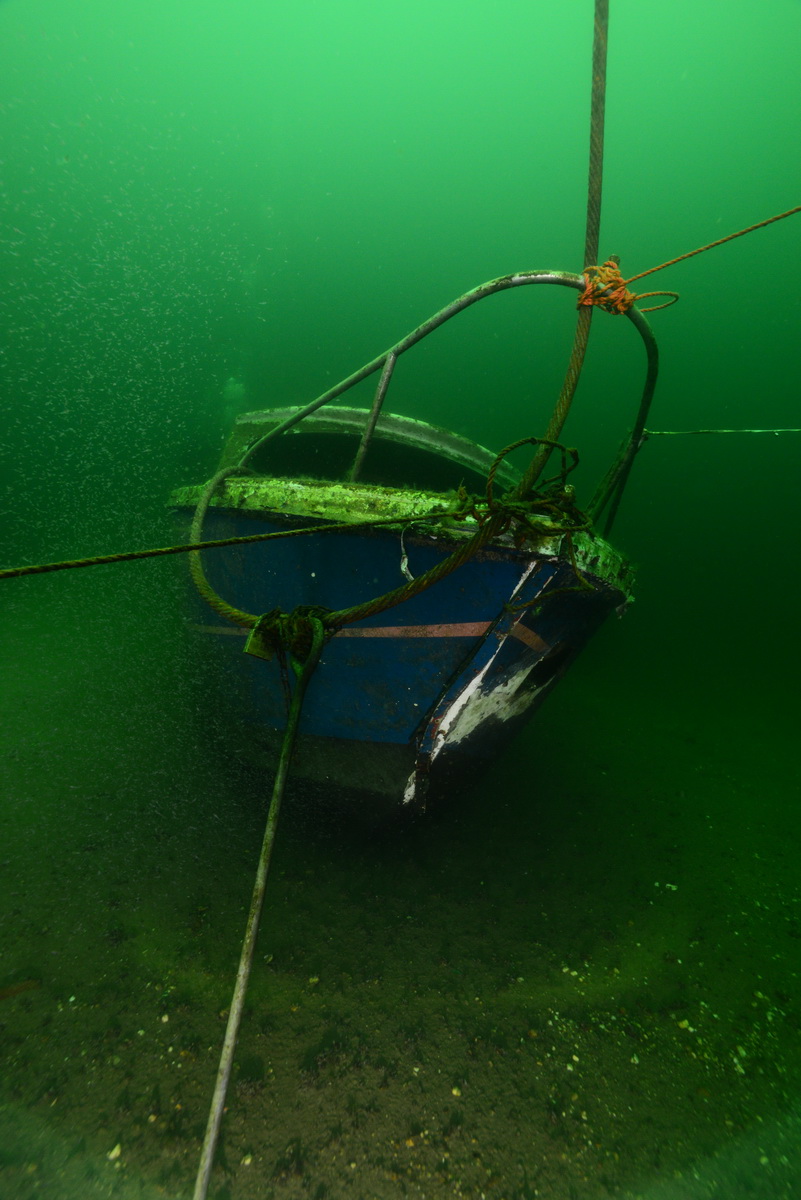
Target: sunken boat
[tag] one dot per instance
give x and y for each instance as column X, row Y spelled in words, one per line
column 455, row 591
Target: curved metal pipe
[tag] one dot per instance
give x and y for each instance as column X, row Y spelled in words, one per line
column 612, row 485
column 618, row 473
column 502, row 284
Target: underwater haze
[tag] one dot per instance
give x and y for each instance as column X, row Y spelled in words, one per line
column 579, row 981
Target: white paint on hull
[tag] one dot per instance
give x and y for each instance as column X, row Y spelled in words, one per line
column 475, row 704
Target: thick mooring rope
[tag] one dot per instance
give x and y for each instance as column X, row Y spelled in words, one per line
column 104, row 560
column 581, row 336
column 303, row 673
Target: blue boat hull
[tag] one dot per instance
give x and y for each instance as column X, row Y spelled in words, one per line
column 434, row 684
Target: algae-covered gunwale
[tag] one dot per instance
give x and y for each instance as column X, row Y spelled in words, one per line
column 313, row 501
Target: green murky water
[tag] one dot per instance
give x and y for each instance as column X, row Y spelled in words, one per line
column 582, row 981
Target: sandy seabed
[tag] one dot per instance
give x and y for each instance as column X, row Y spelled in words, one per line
column 578, row 981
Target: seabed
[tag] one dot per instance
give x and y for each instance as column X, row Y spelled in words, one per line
column 579, row 981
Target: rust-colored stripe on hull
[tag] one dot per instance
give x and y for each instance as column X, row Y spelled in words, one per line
column 465, row 629
column 456, row 630
column 528, row 637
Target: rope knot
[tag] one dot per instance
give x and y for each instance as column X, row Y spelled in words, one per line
column 605, row 287
column 277, row 632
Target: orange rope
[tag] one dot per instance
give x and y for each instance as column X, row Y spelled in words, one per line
column 606, row 288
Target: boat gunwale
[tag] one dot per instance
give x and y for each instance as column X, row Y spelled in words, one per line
column 246, row 496
column 412, row 433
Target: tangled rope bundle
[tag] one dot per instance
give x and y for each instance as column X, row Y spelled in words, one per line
column 606, row 289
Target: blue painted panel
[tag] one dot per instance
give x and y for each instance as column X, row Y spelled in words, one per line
column 340, row 570
column 372, row 688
